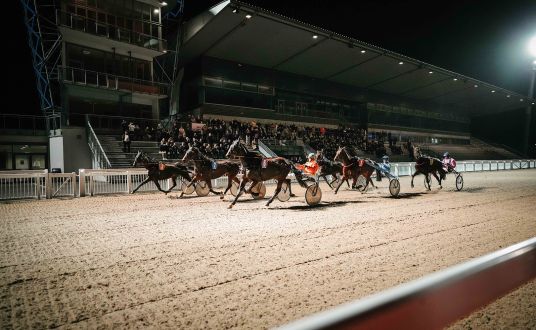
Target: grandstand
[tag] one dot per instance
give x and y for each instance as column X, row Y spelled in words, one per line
column 238, row 62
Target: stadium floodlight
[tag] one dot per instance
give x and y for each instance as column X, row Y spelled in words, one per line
column 532, row 46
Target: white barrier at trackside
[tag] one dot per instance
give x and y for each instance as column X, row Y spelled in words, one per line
column 436, row 300
column 39, row 184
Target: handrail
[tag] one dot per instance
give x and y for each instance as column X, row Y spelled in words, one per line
column 265, row 150
column 111, row 31
column 111, row 81
column 97, row 154
column 436, row 300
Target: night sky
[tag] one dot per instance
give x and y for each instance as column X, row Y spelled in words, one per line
column 486, row 40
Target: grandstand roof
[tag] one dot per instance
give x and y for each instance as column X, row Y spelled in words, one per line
column 270, row 40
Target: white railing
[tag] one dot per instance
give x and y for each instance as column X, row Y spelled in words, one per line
column 36, row 184
column 407, row 168
column 41, row 184
column 436, row 300
column 100, row 160
column 118, row 181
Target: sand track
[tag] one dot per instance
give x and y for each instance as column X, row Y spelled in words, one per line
column 150, row 260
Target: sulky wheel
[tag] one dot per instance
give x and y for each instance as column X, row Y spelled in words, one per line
column 313, row 194
column 234, row 188
column 201, row 189
column 459, row 182
column 394, row 187
column 187, row 190
column 260, row 190
column 284, row 194
column 361, row 183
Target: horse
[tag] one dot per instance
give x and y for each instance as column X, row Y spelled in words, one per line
column 428, row 165
column 258, row 169
column 206, row 169
column 328, row 167
column 353, row 167
column 160, row 171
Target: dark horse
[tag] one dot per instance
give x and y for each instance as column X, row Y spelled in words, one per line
column 206, row 169
column 353, row 167
column 328, row 167
column 259, row 169
column 428, row 165
column 160, row 171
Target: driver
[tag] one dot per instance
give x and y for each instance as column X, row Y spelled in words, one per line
column 448, row 162
column 311, row 166
column 384, row 166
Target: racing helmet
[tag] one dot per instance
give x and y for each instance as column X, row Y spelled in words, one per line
column 385, row 158
column 446, row 154
column 311, row 155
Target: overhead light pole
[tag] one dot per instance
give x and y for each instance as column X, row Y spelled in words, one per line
column 528, row 111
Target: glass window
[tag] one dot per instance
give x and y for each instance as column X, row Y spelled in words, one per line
column 249, row 87
column 266, row 89
column 212, row 82
column 231, row 84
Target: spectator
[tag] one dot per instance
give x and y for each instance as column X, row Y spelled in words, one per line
column 126, row 141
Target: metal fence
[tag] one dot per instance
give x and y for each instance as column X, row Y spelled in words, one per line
column 91, row 182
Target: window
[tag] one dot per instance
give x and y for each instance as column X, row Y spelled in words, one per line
column 231, row 84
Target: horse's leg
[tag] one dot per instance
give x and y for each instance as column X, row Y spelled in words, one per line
column 370, row 180
column 194, row 179
column 141, row 184
column 438, row 179
column 240, row 190
column 289, row 187
column 326, row 179
column 412, row 176
column 174, row 180
column 209, row 184
column 277, row 190
column 340, row 183
column 230, row 179
column 158, row 186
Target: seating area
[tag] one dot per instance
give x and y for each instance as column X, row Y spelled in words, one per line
column 294, row 141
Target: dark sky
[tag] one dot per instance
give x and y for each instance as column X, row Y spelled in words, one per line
column 486, row 40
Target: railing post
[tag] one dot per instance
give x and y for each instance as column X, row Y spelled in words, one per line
column 48, row 186
column 73, row 183
column 82, row 183
column 129, row 182
column 37, row 186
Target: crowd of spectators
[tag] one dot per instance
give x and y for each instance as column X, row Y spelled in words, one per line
column 213, row 137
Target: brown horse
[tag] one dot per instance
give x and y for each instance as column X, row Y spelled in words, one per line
column 353, row 167
column 206, row 169
column 428, row 165
column 160, row 171
column 258, row 169
column 328, row 167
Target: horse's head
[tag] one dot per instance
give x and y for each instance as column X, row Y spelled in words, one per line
column 140, row 158
column 191, row 154
column 236, row 150
column 341, row 155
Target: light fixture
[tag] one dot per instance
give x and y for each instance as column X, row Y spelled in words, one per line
column 363, row 51
column 156, row 10
column 520, row 100
column 164, row 51
column 86, row 52
column 430, row 72
column 315, row 37
column 493, row 91
column 235, row 10
column 164, row 3
column 507, row 95
column 476, row 86
column 248, row 16
column 532, row 47
column 400, row 63
column 455, row 79
column 532, row 103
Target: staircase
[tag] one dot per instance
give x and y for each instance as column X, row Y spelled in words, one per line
column 113, row 147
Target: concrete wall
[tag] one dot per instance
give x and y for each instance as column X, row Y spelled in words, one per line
column 75, row 149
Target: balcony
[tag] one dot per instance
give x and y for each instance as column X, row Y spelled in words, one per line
column 110, row 31
column 111, row 81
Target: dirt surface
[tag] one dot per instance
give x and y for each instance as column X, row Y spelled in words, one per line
column 150, row 260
